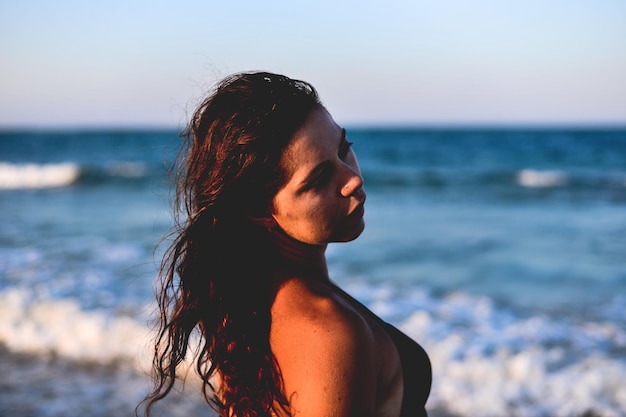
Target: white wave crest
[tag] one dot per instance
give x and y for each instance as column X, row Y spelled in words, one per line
column 540, row 179
column 486, row 361
column 491, row 364
column 60, row 327
column 33, row 176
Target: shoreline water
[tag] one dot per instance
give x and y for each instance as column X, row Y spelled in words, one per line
column 110, row 397
column 500, row 251
column 485, row 359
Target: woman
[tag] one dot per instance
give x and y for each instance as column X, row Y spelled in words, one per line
column 266, row 181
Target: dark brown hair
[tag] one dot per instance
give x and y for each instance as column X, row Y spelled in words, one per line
column 215, row 277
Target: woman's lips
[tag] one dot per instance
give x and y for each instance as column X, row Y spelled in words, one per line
column 358, row 212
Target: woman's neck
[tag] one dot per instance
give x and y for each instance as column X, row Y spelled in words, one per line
column 300, row 257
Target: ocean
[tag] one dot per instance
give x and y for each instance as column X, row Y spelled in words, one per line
column 501, row 250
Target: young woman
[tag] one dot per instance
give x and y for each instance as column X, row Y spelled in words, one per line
column 266, row 180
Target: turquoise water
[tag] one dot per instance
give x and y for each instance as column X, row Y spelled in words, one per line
column 502, row 251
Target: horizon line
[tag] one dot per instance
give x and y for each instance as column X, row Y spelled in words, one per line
column 143, row 127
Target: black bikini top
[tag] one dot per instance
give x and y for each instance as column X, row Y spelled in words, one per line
column 416, row 371
column 416, row 368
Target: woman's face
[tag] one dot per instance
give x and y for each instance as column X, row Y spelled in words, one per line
column 323, row 198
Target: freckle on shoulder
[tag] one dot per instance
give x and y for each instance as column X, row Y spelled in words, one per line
column 304, row 299
column 302, row 307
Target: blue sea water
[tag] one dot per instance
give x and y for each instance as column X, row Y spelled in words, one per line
column 502, row 251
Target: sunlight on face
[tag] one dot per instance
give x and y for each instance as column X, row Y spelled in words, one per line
column 323, row 199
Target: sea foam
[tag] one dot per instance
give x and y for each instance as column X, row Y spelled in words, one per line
column 59, row 327
column 486, row 361
column 536, row 179
column 25, row 176
column 491, row 363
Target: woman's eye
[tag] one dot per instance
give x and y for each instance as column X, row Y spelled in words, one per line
column 344, row 148
column 320, row 180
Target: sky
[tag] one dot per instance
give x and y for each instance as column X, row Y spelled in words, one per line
column 140, row 63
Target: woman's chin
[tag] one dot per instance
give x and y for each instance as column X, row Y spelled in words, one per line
column 350, row 235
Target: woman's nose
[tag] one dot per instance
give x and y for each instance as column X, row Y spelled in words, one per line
column 353, row 183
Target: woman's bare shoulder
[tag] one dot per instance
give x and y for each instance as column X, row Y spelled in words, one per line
column 303, row 304
column 325, row 350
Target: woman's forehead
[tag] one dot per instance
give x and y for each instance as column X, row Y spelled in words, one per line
column 315, row 142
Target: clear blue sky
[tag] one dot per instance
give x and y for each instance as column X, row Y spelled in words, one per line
column 142, row 63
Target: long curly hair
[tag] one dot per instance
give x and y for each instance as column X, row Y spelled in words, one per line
column 216, row 276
